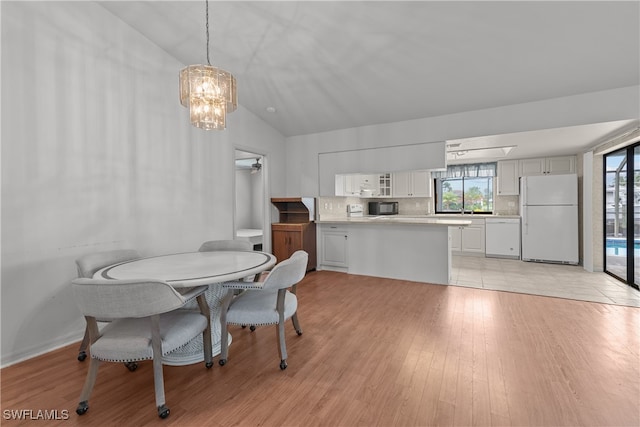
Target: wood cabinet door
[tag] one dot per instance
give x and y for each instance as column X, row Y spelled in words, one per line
column 280, row 247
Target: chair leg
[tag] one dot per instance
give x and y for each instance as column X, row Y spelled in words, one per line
column 282, row 345
column 206, row 334
column 296, row 323
column 82, row 351
column 158, row 378
column 224, row 333
column 89, row 382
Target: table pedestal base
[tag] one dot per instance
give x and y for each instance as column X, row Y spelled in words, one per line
column 193, row 351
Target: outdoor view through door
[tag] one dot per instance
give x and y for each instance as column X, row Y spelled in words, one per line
column 622, row 214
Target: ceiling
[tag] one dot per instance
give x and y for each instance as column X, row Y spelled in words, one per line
column 328, row 65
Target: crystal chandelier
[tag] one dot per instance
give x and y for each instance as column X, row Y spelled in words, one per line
column 209, row 92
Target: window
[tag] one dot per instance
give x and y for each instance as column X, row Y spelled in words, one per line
column 465, row 188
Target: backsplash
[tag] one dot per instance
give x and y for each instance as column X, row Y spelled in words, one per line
column 506, row 205
column 331, row 207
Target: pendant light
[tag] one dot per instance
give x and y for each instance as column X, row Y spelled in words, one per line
column 209, row 92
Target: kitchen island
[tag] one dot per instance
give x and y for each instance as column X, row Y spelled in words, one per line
column 412, row 248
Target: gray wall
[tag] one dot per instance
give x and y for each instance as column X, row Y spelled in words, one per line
column 98, row 154
column 303, row 151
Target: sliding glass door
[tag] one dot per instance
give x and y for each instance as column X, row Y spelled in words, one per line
column 622, row 214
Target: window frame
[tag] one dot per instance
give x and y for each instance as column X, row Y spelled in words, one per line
column 451, row 176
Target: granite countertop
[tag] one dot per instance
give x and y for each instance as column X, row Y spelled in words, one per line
column 395, row 219
column 434, row 219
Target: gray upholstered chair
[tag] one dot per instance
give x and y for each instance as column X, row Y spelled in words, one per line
column 148, row 322
column 226, row 245
column 87, row 266
column 265, row 303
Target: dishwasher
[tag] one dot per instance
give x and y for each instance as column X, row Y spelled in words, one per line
column 502, row 238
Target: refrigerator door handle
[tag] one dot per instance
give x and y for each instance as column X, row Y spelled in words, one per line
column 525, row 226
column 523, row 182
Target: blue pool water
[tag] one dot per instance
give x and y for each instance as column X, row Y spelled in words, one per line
column 619, row 247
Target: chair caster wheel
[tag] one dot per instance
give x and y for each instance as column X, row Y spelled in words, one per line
column 208, row 364
column 222, row 362
column 163, row 411
column 82, row 408
column 132, row 366
column 299, row 332
column 252, row 328
column 283, row 364
column 82, row 355
column 244, row 326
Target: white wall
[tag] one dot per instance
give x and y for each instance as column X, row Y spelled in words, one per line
column 98, row 154
column 595, row 107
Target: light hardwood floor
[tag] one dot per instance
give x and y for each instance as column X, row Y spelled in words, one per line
column 377, row 352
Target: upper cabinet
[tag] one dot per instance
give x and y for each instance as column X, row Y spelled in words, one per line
column 411, row 184
column 548, row 166
column 358, row 185
column 510, row 171
column 399, row 184
column 508, row 178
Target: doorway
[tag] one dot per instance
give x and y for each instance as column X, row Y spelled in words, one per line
column 622, row 214
column 250, row 183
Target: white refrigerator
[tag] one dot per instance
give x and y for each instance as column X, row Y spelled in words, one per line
column 549, row 211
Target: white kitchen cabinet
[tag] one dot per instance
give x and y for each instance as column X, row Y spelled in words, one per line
column 548, row 166
column 455, row 236
column 334, row 246
column 412, row 184
column 352, row 184
column 508, row 178
column 468, row 240
column 384, row 187
column 560, row 165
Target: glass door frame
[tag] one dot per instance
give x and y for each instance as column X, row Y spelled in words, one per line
column 630, row 215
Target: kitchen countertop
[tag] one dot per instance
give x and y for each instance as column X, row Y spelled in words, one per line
column 434, row 219
column 398, row 219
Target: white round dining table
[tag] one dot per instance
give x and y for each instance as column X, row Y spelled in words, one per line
column 186, row 270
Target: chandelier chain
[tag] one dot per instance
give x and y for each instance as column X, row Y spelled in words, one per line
column 207, row 26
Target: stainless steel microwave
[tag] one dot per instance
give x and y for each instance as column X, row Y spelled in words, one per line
column 383, row 208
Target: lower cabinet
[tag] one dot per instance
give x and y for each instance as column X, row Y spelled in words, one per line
column 334, row 247
column 468, row 240
column 287, row 238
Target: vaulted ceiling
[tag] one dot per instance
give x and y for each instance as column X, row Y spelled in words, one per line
column 329, row 65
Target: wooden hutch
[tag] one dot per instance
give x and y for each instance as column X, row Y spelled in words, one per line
column 295, row 228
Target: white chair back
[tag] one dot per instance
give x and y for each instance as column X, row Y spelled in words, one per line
column 124, row 298
column 89, row 264
column 226, row 245
column 288, row 272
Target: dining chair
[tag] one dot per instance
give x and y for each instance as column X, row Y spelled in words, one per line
column 148, row 322
column 87, row 266
column 226, row 245
column 265, row 303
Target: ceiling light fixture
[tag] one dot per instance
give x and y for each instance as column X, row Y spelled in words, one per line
column 209, row 92
column 256, row 166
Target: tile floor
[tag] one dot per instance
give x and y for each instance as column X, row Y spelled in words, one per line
column 562, row 281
